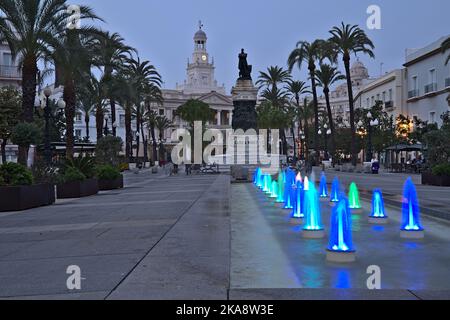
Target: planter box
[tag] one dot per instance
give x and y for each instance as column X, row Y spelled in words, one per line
column 77, row 189
column 430, row 179
column 26, row 197
column 105, row 185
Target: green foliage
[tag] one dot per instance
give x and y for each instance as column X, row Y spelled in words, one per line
column 442, row 169
column 72, row 174
column 10, row 108
column 43, row 173
column 85, row 165
column 438, row 147
column 14, row 174
column 25, row 134
column 195, row 110
column 107, row 172
column 108, row 149
column 272, row 117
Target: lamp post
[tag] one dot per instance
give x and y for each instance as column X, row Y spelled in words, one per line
column 106, row 129
column 47, row 112
column 372, row 123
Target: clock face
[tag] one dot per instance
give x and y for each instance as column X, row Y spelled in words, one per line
column 204, row 58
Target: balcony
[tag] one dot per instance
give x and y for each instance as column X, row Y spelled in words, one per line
column 389, row 105
column 447, row 82
column 413, row 94
column 429, row 88
column 10, row 72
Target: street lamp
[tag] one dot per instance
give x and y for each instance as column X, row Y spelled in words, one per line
column 106, row 129
column 372, row 123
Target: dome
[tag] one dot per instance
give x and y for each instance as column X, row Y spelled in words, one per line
column 200, row 35
column 358, row 71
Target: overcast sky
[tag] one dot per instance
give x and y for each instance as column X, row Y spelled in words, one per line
column 162, row 30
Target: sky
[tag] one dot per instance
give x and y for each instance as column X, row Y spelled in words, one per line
column 162, row 30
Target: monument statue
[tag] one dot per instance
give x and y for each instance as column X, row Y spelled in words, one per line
column 244, row 69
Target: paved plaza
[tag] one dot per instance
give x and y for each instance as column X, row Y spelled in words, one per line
column 201, row 237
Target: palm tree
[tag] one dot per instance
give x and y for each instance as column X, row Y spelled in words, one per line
column 273, row 77
column 445, row 47
column 111, row 53
column 295, row 89
column 310, row 53
column 326, row 76
column 162, row 124
column 90, row 98
column 348, row 39
column 150, row 117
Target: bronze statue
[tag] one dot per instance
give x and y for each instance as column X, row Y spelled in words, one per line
column 244, row 69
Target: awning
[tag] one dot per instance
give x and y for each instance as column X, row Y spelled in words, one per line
column 407, row 147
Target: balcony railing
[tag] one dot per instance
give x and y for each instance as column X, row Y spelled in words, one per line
column 10, row 72
column 413, row 94
column 447, row 82
column 432, row 87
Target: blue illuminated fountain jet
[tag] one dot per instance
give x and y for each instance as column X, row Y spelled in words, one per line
column 334, row 196
column 257, row 176
column 340, row 248
column 313, row 228
column 269, row 184
column 297, row 213
column 323, row 188
column 274, row 190
column 411, row 227
column 289, row 182
column 378, row 215
column 281, row 181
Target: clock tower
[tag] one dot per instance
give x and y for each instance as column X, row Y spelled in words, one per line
column 200, row 71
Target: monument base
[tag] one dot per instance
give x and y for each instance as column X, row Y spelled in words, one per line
column 313, row 234
column 341, row 257
column 412, row 234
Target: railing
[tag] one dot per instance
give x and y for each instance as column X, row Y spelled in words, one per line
column 447, row 82
column 413, row 94
column 432, row 87
column 10, row 72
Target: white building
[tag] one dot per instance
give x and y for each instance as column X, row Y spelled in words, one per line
column 427, row 82
column 339, row 101
column 388, row 89
column 200, row 84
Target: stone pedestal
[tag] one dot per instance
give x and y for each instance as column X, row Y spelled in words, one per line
column 244, row 96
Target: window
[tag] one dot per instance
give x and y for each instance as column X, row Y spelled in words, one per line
column 78, row 117
column 368, row 103
column 161, row 112
column 390, row 95
column 78, row 133
column 432, row 117
column 384, row 96
column 122, row 120
column 7, row 59
column 378, row 97
column 373, row 100
column 432, row 76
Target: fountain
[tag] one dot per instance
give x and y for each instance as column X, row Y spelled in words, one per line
column 269, row 184
column 256, row 176
column 281, row 179
column 340, row 248
column 274, row 190
column 378, row 215
column 298, row 177
column 353, row 198
column 289, row 182
column 411, row 228
column 334, row 196
column 323, row 188
column 313, row 228
column 297, row 213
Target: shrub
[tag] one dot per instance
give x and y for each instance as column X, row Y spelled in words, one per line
column 107, row 172
column 108, row 149
column 442, row 169
column 25, row 134
column 43, row 173
column 85, row 165
column 73, row 174
column 14, row 174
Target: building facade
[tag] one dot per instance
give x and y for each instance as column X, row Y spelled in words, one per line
column 427, row 82
column 10, row 74
column 389, row 89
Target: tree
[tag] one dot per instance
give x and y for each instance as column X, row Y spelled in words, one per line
column 310, row 53
column 326, row 76
column 195, row 110
column 24, row 135
column 162, row 124
column 273, row 77
column 348, row 39
column 294, row 90
column 10, row 103
column 90, row 99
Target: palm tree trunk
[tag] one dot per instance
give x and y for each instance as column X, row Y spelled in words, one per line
column 316, row 111
column 326, row 91
column 86, row 121
column 352, row 110
column 70, row 99
column 128, row 136
column 138, row 125
column 99, row 118
column 154, row 144
column 3, row 147
column 113, row 116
